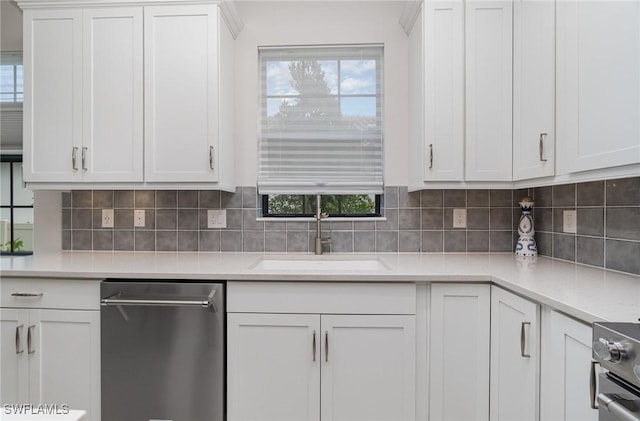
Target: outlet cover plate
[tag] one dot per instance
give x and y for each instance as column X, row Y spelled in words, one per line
column 459, row 218
column 569, row 221
column 216, row 218
column 107, row 218
column 139, row 218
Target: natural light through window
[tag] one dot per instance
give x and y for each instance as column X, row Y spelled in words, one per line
column 321, row 128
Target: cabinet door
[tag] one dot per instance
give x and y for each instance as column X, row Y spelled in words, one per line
column 14, row 381
column 488, row 90
column 566, row 360
column 533, row 88
column 181, row 93
column 52, row 95
column 514, row 357
column 444, row 90
column 64, row 363
column 273, row 367
column 459, row 352
column 368, row 367
column 112, row 90
column 598, row 84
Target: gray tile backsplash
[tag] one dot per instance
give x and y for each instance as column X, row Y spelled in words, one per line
column 608, row 223
column 177, row 220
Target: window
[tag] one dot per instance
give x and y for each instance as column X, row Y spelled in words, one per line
column 321, row 130
column 11, row 77
column 293, row 205
column 11, row 97
column 16, row 208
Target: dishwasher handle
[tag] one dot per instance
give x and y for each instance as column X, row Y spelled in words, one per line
column 207, row 303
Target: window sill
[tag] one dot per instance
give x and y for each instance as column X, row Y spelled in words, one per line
column 312, row 219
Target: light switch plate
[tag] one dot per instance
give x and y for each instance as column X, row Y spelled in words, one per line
column 216, row 218
column 459, row 218
column 107, row 218
column 569, row 221
column 139, row 218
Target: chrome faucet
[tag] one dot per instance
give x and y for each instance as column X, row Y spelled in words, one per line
column 319, row 217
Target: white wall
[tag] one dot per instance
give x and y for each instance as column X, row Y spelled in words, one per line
column 270, row 23
column 10, row 26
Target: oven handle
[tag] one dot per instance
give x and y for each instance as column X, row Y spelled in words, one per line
column 616, row 409
column 592, row 385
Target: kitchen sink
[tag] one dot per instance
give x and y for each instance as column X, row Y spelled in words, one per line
column 319, row 264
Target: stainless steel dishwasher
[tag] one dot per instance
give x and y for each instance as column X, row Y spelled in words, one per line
column 163, row 350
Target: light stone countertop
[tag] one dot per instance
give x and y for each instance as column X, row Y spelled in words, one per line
column 586, row 293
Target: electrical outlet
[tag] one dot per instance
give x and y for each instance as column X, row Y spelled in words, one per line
column 217, row 218
column 459, row 218
column 139, row 218
column 569, row 221
column 107, row 218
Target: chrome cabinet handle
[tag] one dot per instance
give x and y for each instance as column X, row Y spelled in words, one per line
column 541, row 147
column 326, row 346
column 592, row 385
column 27, row 294
column 74, row 152
column 314, row 345
column 84, row 158
column 211, row 157
column 430, row 155
column 19, row 350
column 30, row 349
column 619, row 411
column 523, row 339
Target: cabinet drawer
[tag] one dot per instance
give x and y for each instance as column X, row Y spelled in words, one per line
column 319, row 297
column 74, row 294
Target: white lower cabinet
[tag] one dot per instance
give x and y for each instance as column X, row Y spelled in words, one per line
column 515, row 357
column 319, row 366
column 459, row 352
column 273, row 362
column 280, row 365
column 50, row 356
column 566, row 361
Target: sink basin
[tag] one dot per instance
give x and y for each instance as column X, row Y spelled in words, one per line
column 319, row 264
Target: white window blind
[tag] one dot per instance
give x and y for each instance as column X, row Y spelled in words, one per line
column 321, row 128
column 11, row 97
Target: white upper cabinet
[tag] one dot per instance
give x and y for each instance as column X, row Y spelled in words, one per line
column 130, row 94
column 53, row 95
column 533, row 89
column 488, row 90
column 181, row 88
column 83, row 95
column 598, row 84
column 437, row 111
column 112, row 94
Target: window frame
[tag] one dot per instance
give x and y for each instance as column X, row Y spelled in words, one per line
column 308, row 185
column 12, row 159
column 265, row 209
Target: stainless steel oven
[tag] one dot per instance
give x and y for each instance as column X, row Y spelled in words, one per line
column 163, row 351
column 616, row 347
